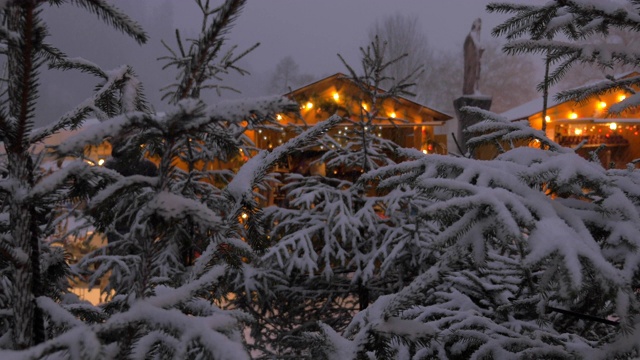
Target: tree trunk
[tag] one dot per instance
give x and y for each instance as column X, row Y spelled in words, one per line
column 22, row 91
column 22, row 266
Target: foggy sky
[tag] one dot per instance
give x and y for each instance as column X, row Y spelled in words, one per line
column 313, row 32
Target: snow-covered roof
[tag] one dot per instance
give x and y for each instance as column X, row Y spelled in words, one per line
column 527, row 109
column 437, row 114
column 535, row 106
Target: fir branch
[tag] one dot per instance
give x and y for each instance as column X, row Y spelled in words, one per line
column 117, row 79
column 114, row 17
column 81, row 64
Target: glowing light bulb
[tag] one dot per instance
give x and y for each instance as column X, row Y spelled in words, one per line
column 622, row 97
column 336, row 96
column 547, row 118
column 364, row 106
column 278, row 117
column 309, row 105
column 244, row 215
column 613, row 126
column 392, row 115
column 602, row 104
column 424, row 151
column 573, row 116
column 100, row 162
column 578, row 131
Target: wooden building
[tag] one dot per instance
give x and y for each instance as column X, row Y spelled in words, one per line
column 569, row 123
column 404, row 121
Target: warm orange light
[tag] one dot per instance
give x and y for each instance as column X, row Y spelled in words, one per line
column 392, row 115
column 278, row 117
column 244, row 215
column 622, row 97
column 101, row 162
column 309, row 105
column 578, row 131
column 547, row 118
column 364, row 106
column 602, row 104
column 424, row 151
column 573, row 116
column 613, row 126
column 336, row 96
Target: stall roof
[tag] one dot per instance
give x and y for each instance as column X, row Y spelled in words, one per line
column 534, row 106
column 327, row 81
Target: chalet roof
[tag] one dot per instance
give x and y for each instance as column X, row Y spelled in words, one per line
column 327, row 81
column 535, row 106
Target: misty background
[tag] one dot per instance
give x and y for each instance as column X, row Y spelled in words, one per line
column 299, row 42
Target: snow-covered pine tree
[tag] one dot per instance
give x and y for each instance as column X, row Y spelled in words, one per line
column 153, row 320
column 161, row 299
column 571, row 32
column 537, row 257
column 331, row 252
column 358, row 149
column 32, row 271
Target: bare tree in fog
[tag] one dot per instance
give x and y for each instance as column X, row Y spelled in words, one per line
column 510, row 79
column 403, row 35
column 287, row 76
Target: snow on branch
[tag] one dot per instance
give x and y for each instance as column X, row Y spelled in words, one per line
column 257, row 167
column 239, row 110
column 75, row 169
column 215, row 334
column 58, row 315
column 506, row 194
column 167, row 297
column 77, row 343
column 172, row 207
column 498, row 128
column 73, row 118
column 122, row 183
column 609, row 85
column 110, row 128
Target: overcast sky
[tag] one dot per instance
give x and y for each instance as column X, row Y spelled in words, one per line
column 313, row 32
